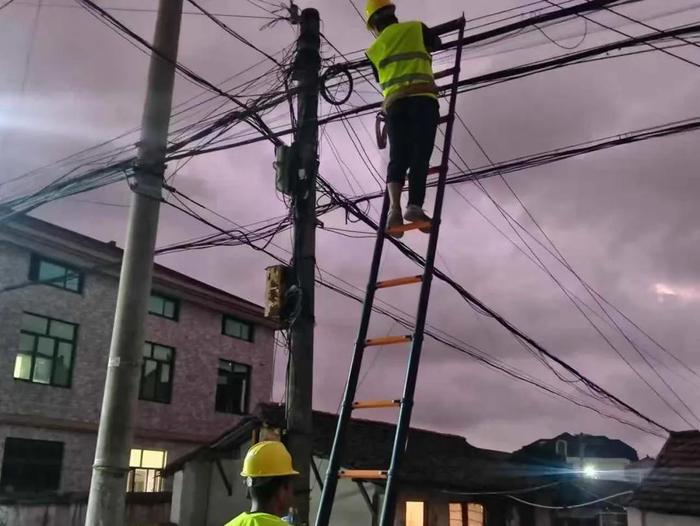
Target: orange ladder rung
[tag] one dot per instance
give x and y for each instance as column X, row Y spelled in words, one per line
column 409, row 280
column 365, row 474
column 376, row 404
column 387, row 340
column 409, row 226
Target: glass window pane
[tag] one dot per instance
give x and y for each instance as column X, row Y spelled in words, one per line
column 34, row 323
column 148, row 350
column 456, row 514
column 62, row 364
column 165, row 373
column 23, row 366
column 50, row 271
column 225, row 365
column 414, row 513
column 238, row 368
column 26, row 343
column 169, row 309
column 73, row 281
column 140, row 480
column 157, row 304
column 245, row 331
column 162, row 353
column 62, row 330
column 148, row 382
column 153, row 459
column 42, row 370
column 45, row 346
column 135, row 458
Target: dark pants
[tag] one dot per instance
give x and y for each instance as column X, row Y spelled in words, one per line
column 412, row 124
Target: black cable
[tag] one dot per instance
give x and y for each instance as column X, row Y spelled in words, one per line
column 3, row 6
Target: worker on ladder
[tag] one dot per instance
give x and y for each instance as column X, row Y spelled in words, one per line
column 402, row 64
column 268, row 472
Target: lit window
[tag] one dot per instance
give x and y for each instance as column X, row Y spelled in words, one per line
column 456, row 514
column 237, row 329
column 415, row 513
column 31, row 465
column 232, row 388
column 475, row 514
column 144, row 470
column 45, row 351
column 157, row 373
column 55, row 274
column 164, row 306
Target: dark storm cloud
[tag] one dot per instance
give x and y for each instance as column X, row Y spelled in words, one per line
column 626, row 219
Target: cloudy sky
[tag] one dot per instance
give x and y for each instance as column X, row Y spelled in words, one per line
column 626, row 219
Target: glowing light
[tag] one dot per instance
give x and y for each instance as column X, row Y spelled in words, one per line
column 590, row 472
column 664, row 291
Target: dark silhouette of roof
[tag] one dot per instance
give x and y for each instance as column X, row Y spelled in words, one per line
column 673, row 486
column 435, row 459
column 594, row 446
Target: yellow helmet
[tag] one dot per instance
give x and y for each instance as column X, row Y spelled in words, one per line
column 268, row 459
column 375, row 5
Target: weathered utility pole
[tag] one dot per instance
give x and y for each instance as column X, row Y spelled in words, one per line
column 106, row 504
column 300, row 393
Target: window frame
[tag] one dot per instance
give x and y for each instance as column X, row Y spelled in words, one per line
column 165, row 297
column 59, row 463
column 35, row 266
column 131, row 475
column 57, row 340
column 159, row 363
column 424, row 505
column 230, row 317
column 249, row 377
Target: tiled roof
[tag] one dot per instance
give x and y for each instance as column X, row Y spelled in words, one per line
column 673, row 486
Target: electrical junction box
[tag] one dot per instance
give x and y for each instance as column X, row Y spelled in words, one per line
column 275, row 290
column 286, row 162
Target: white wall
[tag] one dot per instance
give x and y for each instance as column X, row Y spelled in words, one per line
column 636, row 517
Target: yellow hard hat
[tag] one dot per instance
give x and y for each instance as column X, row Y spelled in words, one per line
column 268, row 459
column 373, row 6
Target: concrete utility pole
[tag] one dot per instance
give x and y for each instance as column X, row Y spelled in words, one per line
column 106, row 505
column 300, row 392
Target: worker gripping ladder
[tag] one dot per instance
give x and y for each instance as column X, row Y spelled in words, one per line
column 405, row 404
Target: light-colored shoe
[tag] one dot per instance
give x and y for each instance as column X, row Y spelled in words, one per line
column 415, row 214
column 394, row 220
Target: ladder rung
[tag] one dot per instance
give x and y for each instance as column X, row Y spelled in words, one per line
column 365, row 474
column 409, row 280
column 406, row 227
column 376, row 404
column 445, row 73
column 445, row 119
column 387, row 340
column 434, row 170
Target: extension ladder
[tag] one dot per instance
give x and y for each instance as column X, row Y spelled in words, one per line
column 405, row 404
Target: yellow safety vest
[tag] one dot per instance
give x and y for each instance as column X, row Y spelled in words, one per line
column 403, row 62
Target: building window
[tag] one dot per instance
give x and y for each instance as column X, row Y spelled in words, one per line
column 31, row 465
column 237, row 329
column 164, row 306
column 157, row 373
column 46, row 348
column 475, row 514
column 55, row 274
column 561, row 448
column 456, row 514
column 144, row 470
column 232, row 388
column 415, row 513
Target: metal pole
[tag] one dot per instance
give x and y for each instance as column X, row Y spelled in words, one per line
column 106, row 503
column 300, row 392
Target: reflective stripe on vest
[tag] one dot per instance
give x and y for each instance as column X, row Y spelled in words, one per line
column 401, row 58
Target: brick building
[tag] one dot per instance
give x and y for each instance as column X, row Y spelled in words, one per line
column 208, row 358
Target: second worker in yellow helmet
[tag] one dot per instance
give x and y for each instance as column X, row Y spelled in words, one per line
column 400, row 56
